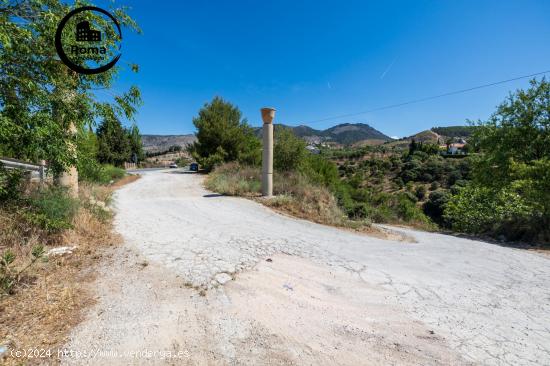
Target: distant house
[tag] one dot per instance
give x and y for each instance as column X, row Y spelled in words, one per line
column 313, row 149
column 456, row 148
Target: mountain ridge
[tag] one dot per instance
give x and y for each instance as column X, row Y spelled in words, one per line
column 343, row 133
column 154, row 143
column 356, row 134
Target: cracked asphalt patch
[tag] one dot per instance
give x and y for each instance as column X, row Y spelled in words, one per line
column 449, row 300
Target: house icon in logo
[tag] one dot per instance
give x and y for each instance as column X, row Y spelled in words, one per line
column 84, row 33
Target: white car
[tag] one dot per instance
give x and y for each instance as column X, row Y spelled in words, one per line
column 173, row 165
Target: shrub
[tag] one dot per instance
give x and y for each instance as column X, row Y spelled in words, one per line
column 477, row 209
column 420, row 192
column 234, row 179
column 397, row 208
column 409, row 195
column 10, row 183
column 102, row 174
column 436, row 204
column 111, row 173
column 454, row 176
column 87, row 165
column 399, row 183
column 407, row 210
column 9, row 276
column 183, row 161
column 409, row 175
column 382, row 214
column 89, row 170
column 321, row 171
column 296, row 193
column 311, row 201
column 289, row 151
column 426, row 177
column 360, row 210
column 52, row 209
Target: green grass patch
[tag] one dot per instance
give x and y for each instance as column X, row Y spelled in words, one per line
column 51, row 209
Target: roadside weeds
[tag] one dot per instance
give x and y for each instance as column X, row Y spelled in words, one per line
column 50, row 299
column 294, row 196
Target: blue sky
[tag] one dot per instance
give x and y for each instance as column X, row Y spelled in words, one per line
column 315, row 59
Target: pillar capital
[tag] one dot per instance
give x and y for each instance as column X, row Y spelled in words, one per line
column 268, row 114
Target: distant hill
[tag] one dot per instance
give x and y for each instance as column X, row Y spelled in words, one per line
column 454, row 131
column 356, row 134
column 435, row 135
column 153, row 143
column 344, row 134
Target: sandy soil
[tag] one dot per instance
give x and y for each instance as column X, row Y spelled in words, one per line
column 204, row 279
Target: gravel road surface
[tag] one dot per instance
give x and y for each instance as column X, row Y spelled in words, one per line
column 222, row 280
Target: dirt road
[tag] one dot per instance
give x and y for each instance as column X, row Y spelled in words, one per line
column 205, row 279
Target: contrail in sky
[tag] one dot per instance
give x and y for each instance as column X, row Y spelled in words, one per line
column 387, row 69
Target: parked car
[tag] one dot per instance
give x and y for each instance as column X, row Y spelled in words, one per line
column 194, row 167
column 173, row 165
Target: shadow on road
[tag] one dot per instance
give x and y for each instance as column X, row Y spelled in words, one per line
column 543, row 247
column 213, row 195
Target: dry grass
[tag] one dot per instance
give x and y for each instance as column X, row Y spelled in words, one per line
column 233, row 179
column 50, row 299
column 298, row 197
column 294, row 195
column 126, row 180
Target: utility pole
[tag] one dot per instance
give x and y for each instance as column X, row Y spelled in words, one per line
column 268, row 114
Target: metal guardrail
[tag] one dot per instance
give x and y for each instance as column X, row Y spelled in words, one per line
column 18, row 164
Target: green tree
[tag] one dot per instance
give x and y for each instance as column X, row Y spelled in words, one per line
column 135, row 143
column 289, row 151
column 87, row 148
column 412, row 147
column 435, row 205
column 113, row 143
column 512, row 169
column 223, row 136
column 40, row 97
column 516, row 137
column 480, row 209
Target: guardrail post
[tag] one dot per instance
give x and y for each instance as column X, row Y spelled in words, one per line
column 28, row 176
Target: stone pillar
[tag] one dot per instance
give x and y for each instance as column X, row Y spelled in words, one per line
column 42, row 172
column 69, row 178
column 267, row 156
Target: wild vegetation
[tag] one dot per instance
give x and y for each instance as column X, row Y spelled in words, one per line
column 509, row 194
column 48, row 112
column 499, row 189
column 42, row 293
column 103, row 153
